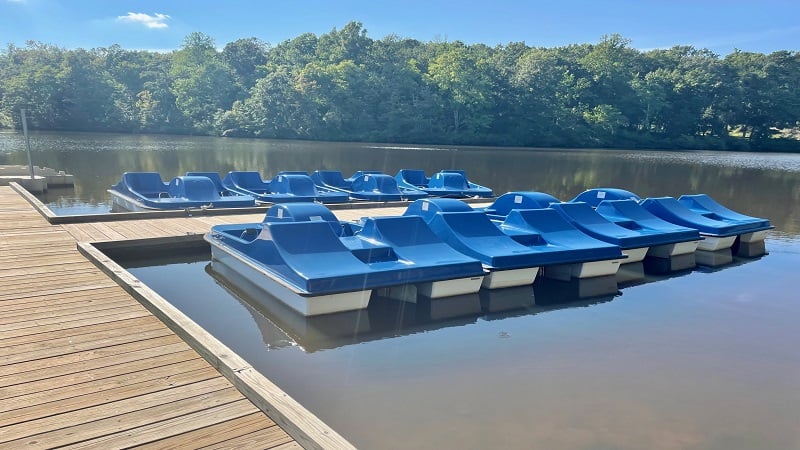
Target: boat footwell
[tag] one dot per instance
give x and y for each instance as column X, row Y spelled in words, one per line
column 498, row 279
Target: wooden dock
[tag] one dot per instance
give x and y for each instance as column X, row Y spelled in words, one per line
column 84, row 363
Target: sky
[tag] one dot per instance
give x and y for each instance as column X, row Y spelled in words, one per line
column 760, row 26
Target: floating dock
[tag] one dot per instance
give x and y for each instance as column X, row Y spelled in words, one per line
column 43, row 177
column 87, row 362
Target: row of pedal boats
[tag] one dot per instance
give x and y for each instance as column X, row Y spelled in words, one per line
column 301, row 254
column 138, row 191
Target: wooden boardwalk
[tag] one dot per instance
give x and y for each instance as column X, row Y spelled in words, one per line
column 84, row 364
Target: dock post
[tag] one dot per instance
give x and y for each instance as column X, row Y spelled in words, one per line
column 27, row 141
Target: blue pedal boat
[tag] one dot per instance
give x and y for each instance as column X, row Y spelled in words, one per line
column 142, row 191
column 634, row 244
column 718, row 226
column 571, row 253
column 509, row 259
column 623, row 209
column 284, row 187
column 446, row 183
column 366, row 185
column 302, row 255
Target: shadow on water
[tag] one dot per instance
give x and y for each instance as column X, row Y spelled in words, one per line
column 388, row 318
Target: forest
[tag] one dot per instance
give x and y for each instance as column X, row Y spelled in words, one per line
column 347, row 86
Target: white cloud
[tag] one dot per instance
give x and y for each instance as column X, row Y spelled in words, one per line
column 155, row 21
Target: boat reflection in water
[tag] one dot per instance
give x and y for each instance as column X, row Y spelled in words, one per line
column 386, row 317
column 280, row 326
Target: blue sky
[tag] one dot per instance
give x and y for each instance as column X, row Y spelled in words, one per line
column 721, row 26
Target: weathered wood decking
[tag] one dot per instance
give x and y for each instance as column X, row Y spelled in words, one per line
column 84, row 364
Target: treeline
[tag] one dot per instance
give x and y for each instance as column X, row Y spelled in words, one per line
column 344, row 85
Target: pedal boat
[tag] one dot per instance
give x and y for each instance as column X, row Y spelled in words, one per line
column 142, row 191
column 512, row 255
column 366, row 185
column 446, row 183
column 302, row 255
column 526, row 217
column 284, row 187
column 718, row 226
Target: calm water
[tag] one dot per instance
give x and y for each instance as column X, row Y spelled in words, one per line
column 706, row 359
column 761, row 184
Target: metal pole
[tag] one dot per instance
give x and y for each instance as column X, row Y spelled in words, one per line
column 27, row 141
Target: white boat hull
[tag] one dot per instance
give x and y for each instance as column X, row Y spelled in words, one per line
column 498, row 279
column 634, row 255
column 449, row 288
column 677, row 248
column 589, row 269
column 753, row 237
column 307, row 305
column 714, row 243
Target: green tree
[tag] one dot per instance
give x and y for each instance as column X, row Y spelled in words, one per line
column 201, row 82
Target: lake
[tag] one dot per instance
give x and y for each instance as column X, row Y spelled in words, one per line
column 766, row 185
column 703, row 359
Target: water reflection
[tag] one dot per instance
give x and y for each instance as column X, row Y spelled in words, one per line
column 388, row 318
column 757, row 184
column 706, row 346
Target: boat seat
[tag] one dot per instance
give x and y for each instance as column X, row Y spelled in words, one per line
column 330, row 178
column 400, row 231
column 148, row 184
column 248, row 180
column 708, row 207
column 548, row 230
column 586, row 219
column 473, row 234
column 671, row 210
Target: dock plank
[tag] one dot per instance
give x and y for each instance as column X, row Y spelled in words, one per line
column 94, row 378
column 98, row 420
column 84, row 364
column 175, row 425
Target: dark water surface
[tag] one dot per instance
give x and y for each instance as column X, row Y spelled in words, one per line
column 706, row 359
